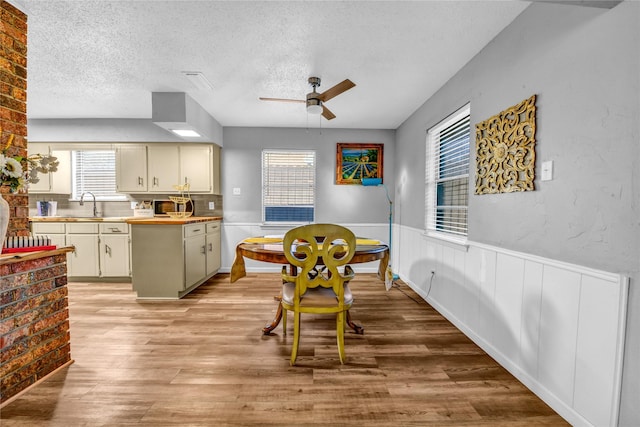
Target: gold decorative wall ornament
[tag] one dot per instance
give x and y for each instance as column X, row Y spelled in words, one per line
column 505, row 150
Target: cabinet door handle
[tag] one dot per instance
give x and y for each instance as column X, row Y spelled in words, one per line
column 107, row 250
column 196, row 230
column 204, row 250
column 115, row 230
column 140, row 181
column 210, row 247
column 155, row 181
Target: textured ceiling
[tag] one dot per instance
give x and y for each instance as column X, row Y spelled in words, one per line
column 103, row 59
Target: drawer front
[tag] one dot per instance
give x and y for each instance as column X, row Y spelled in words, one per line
column 114, row 228
column 213, row 227
column 82, row 228
column 194, row 230
column 48, row 228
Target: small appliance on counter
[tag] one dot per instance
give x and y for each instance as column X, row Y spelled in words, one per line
column 49, row 208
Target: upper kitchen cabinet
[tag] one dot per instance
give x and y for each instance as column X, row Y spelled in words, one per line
column 156, row 168
column 58, row 182
column 162, row 168
column 196, row 168
column 131, row 168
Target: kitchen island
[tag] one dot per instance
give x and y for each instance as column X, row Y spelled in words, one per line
column 170, row 257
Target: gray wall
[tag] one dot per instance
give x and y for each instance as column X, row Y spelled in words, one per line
column 242, row 168
column 583, row 63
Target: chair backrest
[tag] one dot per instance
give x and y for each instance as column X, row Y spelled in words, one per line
column 311, row 245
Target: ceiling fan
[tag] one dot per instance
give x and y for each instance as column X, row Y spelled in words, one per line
column 315, row 101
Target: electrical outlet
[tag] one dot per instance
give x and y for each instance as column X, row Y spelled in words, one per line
column 236, row 191
column 133, row 205
column 212, row 206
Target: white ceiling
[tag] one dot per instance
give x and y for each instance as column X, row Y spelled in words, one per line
column 103, row 59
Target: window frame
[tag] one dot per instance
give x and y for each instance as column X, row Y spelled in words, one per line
column 432, row 171
column 76, row 193
column 264, row 204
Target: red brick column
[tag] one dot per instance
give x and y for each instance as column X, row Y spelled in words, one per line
column 13, row 104
column 34, row 320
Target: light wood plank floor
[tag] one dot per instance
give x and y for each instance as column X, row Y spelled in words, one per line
column 204, row 361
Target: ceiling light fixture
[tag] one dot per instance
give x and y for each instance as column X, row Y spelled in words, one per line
column 314, row 106
column 198, row 80
column 186, row 133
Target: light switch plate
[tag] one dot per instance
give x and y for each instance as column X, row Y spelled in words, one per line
column 547, row 171
column 236, row 191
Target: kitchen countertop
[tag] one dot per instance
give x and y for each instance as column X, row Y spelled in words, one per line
column 79, row 219
column 172, row 221
column 128, row 220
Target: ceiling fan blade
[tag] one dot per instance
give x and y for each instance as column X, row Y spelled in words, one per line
column 336, row 90
column 282, row 100
column 327, row 114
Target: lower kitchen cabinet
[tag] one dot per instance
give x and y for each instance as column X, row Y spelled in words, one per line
column 83, row 261
column 102, row 249
column 170, row 260
column 212, row 247
column 114, row 248
column 195, row 258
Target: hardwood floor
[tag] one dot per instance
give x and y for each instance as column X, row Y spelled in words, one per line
column 204, row 361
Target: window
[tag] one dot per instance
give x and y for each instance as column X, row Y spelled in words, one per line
column 447, row 175
column 95, row 171
column 288, row 186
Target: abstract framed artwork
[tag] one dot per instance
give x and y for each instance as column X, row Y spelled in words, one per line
column 505, row 150
column 355, row 161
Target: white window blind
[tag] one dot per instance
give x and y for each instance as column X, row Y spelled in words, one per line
column 288, row 186
column 95, row 171
column 447, row 174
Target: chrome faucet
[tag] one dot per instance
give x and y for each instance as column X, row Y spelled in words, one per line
column 95, row 208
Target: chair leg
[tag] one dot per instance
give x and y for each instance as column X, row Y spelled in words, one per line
column 284, row 321
column 296, row 337
column 340, row 324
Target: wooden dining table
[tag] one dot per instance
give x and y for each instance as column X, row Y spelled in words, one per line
column 270, row 249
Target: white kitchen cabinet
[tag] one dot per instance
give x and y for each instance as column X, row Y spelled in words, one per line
column 131, row 168
column 84, row 261
column 157, row 167
column 196, row 167
column 215, row 169
column 212, row 247
column 56, row 231
column 58, row 182
column 162, row 168
column 114, row 250
column 102, row 249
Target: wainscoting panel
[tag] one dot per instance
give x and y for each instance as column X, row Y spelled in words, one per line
column 558, row 331
column 530, row 327
column 596, row 367
column 557, row 327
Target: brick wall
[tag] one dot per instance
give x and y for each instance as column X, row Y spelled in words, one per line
column 13, row 104
column 34, row 321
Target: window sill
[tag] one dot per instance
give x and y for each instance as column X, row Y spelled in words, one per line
column 455, row 242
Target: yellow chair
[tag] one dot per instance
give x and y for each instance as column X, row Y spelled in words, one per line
column 316, row 285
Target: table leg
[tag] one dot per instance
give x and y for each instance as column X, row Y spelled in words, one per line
column 276, row 320
column 356, row 328
column 293, row 270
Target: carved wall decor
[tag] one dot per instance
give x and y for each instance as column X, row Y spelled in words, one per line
column 505, row 150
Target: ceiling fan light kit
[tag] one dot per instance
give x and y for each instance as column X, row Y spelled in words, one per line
column 315, row 101
column 314, row 105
